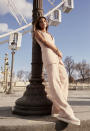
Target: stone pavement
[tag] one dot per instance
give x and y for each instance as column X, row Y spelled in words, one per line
column 78, row 99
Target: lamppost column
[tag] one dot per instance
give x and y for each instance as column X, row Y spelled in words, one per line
column 11, row 76
column 36, row 50
column 34, row 101
column 5, row 72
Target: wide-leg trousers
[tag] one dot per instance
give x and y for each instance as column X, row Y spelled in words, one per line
column 58, row 89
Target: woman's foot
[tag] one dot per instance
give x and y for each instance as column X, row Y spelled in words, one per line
column 74, row 120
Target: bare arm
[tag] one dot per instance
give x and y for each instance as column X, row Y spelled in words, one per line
column 38, row 36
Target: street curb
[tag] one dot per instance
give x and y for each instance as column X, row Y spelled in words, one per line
column 43, row 123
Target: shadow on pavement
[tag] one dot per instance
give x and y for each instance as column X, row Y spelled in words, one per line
column 6, row 112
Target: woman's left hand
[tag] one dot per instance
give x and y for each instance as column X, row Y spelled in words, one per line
column 59, row 53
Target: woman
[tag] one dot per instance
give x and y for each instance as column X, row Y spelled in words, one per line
column 57, row 75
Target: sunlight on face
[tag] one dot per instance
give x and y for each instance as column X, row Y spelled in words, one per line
column 43, row 23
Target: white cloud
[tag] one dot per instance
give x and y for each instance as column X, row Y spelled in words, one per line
column 4, row 28
column 22, row 6
column 3, row 7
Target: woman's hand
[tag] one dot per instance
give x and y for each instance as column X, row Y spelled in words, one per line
column 59, row 53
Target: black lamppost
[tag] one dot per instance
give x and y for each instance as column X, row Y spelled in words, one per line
column 34, row 100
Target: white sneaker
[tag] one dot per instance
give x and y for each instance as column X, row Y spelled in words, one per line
column 74, row 121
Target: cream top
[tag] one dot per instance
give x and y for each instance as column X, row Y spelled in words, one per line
column 48, row 55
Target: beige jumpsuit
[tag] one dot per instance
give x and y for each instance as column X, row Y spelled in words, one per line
column 57, row 79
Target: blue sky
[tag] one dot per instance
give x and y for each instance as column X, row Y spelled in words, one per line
column 72, row 36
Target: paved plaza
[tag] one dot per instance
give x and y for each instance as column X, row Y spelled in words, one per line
column 78, row 99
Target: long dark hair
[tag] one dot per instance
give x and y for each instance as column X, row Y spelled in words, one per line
column 36, row 23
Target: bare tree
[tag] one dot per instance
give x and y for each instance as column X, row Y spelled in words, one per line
column 20, row 74
column 27, row 75
column 70, row 66
column 83, row 70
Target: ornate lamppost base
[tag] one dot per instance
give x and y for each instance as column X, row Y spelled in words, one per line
column 33, row 102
